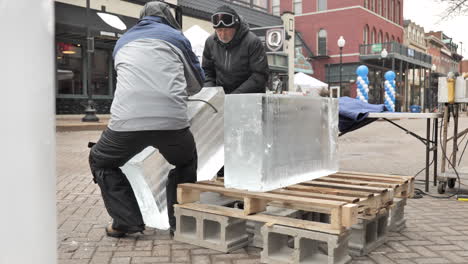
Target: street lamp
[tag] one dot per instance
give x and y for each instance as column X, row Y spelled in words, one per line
column 90, row 111
column 384, row 55
column 434, row 67
column 461, row 62
column 341, row 43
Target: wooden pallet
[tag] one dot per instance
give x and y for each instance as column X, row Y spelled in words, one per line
column 405, row 188
column 342, row 214
column 345, row 196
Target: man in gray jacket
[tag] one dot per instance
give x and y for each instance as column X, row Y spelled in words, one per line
column 156, row 72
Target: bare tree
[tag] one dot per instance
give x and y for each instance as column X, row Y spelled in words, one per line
column 454, row 8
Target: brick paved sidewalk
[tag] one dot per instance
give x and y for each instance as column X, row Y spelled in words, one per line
column 437, row 229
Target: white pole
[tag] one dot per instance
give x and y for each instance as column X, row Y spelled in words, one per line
column 27, row 132
column 289, row 26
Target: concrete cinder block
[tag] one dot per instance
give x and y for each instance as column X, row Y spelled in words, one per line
column 211, row 231
column 317, row 217
column 368, row 234
column 288, row 245
column 396, row 217
column 255, row 236
column 254, row 228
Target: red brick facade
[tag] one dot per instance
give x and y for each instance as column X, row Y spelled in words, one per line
column 442, row 56
column 464, row 66
column 347, row 18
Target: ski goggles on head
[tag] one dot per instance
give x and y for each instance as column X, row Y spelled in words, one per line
column 222, row 19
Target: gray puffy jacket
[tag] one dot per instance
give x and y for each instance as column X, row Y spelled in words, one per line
column 156, row 72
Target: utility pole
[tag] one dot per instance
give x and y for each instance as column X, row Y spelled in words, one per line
column 461, row 53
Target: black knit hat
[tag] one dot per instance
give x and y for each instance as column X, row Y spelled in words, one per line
column 226, row 9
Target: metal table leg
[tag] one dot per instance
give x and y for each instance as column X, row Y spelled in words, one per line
column 428, row 143
column 455, row 135
column 436, row 140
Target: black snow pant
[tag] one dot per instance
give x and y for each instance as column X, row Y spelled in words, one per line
column 115, row 148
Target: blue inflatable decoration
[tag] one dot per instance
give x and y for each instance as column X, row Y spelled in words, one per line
column 362, row 83
column 390, row 91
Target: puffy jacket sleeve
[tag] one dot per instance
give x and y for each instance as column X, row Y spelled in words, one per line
column 258, row 66
column 208, row 64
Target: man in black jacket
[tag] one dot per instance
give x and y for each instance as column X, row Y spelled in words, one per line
column 234, row 57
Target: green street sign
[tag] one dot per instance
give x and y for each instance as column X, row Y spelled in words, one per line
column 376, row 48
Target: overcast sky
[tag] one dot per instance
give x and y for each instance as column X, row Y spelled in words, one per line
column 427, row 13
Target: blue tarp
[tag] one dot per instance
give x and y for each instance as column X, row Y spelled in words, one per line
column 354, row 112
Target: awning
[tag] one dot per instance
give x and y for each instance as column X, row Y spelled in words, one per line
column 71, row 21
column 301, row 64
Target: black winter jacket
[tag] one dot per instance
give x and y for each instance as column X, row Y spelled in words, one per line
column 239, row 66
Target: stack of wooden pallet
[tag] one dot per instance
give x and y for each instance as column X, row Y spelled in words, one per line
column 347, row 198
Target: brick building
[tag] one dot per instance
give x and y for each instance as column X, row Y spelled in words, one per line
column 368, row 26
column 417, row 79
column 444, row 52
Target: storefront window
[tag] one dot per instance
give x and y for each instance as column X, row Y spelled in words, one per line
column 100, row 72
column 69, row 68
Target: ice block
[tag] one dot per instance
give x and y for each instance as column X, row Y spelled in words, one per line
column 147, row 171
column 272, row 141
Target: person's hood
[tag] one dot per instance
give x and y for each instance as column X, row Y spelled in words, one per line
column 241, row 31
column 160, row 9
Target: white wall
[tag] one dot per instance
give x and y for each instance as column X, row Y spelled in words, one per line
column 289, row 22
column 27, row 154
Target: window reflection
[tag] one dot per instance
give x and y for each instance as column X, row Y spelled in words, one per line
column 69, row 68
column 100, row 72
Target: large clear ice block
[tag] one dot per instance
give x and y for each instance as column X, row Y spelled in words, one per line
column 272, row 141
column 147, row 171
